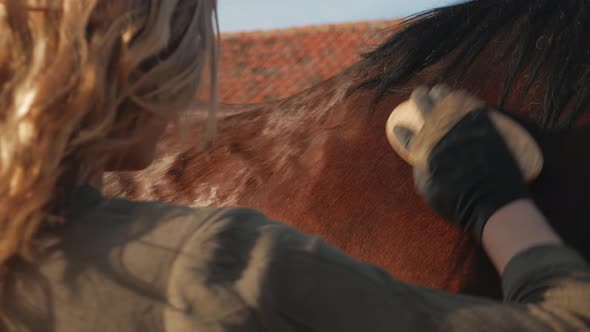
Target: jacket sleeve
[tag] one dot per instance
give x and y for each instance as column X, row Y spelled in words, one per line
column 243, row 272
column 554, row 281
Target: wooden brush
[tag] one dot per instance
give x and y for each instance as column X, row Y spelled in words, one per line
column 523, row 147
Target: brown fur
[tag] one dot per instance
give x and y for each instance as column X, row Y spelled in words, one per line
column 322, row 163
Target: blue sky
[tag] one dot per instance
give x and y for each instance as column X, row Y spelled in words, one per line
column 244, row 15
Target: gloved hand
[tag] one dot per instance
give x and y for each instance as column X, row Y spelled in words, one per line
column 466, row 172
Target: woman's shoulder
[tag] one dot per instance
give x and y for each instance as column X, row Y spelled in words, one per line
column 140, row 251
column 90, row 211
column 209, row 267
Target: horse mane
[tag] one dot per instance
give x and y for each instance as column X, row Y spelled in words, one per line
column 546, row 37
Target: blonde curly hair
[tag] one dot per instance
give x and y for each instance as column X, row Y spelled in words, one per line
column 73, row 74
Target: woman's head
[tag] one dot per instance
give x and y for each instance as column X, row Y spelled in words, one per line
column 87, row 85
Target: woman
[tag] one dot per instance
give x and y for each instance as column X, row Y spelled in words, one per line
column 89, row 86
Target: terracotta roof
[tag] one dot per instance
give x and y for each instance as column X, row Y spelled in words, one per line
column 268, row 65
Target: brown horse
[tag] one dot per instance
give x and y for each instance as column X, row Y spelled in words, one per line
column 320, row 160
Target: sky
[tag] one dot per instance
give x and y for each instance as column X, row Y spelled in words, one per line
column 246, row 15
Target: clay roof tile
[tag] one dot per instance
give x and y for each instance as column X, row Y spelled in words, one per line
column 262, row 66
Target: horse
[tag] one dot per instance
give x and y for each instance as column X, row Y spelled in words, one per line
column 320, row 160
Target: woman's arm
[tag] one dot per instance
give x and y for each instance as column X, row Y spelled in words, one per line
column 513, row 229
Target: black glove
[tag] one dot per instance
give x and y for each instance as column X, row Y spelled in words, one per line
column 470, row 173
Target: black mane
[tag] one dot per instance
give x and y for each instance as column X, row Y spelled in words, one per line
column 548, row 38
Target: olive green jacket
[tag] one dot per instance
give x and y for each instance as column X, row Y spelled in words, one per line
column 129, row 266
